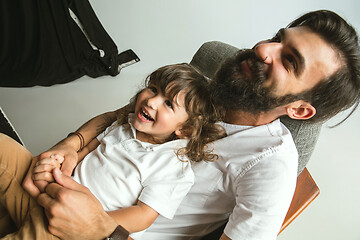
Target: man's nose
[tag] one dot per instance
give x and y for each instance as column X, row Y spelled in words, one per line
column 269, row 53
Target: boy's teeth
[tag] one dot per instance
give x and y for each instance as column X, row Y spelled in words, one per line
column 145, row 115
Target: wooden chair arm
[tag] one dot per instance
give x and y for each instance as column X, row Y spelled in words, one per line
column 306, row 191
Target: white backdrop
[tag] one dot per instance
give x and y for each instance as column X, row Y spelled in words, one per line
column 167, row 31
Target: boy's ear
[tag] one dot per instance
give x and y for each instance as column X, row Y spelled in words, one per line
column 300, row 110
column 178, row 132
column 181, row 132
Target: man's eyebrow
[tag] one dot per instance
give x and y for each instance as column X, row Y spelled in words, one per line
column 299, row 56
column 301, row 61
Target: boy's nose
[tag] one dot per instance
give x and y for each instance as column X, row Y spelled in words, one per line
column 154, row 101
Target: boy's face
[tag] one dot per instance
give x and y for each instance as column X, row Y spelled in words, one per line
column 157, row 117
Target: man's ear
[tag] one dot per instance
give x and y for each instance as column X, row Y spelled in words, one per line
column 300, row 110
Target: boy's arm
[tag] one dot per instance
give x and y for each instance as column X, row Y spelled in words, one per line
column 135, row 218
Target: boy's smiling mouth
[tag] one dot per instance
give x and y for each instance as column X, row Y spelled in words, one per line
column 144, row 114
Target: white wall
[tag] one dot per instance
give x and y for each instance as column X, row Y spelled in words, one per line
column 168, row 31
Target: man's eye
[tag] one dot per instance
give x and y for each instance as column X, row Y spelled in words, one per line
column 292, row 62
column 279, row 35
column 276, row 38
column 169, row 104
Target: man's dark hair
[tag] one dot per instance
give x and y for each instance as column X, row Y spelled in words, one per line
column 341, row 90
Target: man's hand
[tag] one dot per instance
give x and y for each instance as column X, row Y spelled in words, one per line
column 28, row 183
column 73, row 212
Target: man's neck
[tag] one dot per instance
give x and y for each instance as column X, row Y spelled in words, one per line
column 249, row 119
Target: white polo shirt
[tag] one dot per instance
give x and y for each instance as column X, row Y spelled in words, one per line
column 251, row 184
column 122, row 170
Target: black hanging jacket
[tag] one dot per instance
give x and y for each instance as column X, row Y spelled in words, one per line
column 42, row 43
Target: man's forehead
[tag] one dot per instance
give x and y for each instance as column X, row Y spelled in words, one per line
column 319, row 59
column 314, row 48
column 309, row 46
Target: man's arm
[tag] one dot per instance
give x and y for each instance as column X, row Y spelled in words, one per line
column 134, row 218
column 73, row 212
column 97, row 125
column 87, row 149
column 70, row 146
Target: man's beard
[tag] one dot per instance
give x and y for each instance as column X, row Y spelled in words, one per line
column 235, row 91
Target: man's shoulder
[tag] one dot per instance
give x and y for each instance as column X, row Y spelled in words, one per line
column 274, row 128
column 255, row 139
column 247, row 146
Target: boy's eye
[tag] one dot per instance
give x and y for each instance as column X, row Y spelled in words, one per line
column 168, row 103
column 153, row 89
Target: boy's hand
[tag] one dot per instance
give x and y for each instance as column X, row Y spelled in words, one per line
column 42, row 172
